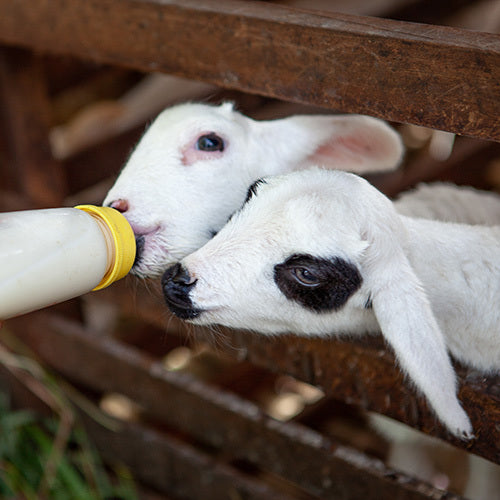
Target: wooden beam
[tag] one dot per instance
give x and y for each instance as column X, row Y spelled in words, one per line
column 362, row 372
column 230, row 424
column 26, row 114
column 157, row 458
column 439, row 77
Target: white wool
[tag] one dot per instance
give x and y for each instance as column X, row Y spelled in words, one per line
column 434, row 286
column 451, row 203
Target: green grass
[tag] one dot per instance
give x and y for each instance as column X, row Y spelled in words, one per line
column 32, row 468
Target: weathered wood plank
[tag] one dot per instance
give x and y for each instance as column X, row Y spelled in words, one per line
column 156, row 459
column 363, row 373
column 229, row 423
column 434, row 76
column 176, row 468
column 26, row 113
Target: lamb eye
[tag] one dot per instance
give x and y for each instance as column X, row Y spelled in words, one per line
column 210, row 142
column 305, row 276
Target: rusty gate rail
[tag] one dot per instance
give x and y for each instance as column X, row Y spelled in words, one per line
column 439, row 77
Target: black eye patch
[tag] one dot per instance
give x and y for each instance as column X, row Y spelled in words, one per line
column 318, row 284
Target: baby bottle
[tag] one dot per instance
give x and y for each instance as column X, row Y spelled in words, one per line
column 48, row 256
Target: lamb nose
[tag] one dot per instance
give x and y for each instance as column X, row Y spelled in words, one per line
column 176, row 284
column 181, row 276
column 120, row 205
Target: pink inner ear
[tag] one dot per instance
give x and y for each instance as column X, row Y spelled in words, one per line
column 346, row 148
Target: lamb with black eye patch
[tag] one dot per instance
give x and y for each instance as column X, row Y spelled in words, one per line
column 325, row 253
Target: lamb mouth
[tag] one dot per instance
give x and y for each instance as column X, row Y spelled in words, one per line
column 185, row 314
column 140, row 240
column 140, row 243
column 181, row 309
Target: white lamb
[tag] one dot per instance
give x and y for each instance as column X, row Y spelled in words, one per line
column 325, row 253
column 192, row 168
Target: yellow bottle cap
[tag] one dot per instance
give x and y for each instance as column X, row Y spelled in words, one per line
column 123, row 239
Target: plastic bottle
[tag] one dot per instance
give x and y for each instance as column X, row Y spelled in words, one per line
column 48, row 256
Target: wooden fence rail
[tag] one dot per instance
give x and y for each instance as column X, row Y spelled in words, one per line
column 439, row 77
column 212, row 416
column 434, row 76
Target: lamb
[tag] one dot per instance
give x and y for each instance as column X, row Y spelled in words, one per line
column 325, row 253
column 192, row 168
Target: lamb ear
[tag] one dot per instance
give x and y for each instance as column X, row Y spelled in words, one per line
column 408, row 324
column 354, row 143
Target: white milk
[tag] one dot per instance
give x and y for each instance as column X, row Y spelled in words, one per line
column 48, row 256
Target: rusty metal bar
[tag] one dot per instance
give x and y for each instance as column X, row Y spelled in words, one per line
column 438, row 77
column 215, row 417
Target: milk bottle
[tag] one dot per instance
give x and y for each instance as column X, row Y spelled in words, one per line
column 48, row 256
